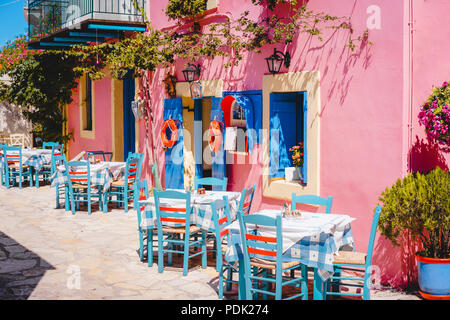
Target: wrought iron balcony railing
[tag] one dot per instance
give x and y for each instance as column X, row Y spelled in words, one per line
column 46, row 17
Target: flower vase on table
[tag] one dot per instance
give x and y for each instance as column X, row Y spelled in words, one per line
column 295, row 173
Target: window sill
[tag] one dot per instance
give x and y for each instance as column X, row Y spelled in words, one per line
column 239, row 153
column 281, row 189
column 87, row 134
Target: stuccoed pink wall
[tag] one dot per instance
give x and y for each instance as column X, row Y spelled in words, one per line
column 361, row 114
column 368, row 97
column 103, row 135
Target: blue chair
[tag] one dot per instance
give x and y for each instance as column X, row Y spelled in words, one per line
column 141, row 193
column 174, row 222
column 46, row 170
column 221, row 238
column 263, row 255
column 105, row 155
column 123, row 189
column 246, row 199
column 80, row 187
column 354, row 262
column 311, row 200
column 201, row 182
column 2, row 165
column 14, row 168
column 61, row 189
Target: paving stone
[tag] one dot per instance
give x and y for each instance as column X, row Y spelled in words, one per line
column 13, row 265
column 40, row 259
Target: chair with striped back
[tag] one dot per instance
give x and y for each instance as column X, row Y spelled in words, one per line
column 80, row 187
column 101, row 155
column 61, row 189
column 123, row 189
column 2, row 165
column 217, row 184
column 220, row 210
column 46, row 170
column 17, row 139
column 311, row 200
column 247, row 199
column 173, row 211
column 356, row 263
column 14, row 168
column 145, row 232
column 263, row 255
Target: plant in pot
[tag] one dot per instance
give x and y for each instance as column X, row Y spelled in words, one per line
column 295, row 173
column 435, row 116
column 420, row 204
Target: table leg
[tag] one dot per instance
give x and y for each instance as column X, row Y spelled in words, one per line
column 319, row 286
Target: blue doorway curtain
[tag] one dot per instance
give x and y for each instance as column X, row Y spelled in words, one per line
column 173, row 109
column 219, row 167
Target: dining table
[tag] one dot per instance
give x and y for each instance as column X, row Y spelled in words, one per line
column 310, row 238
column 35, row 158
column 201, row 213
column 102, row 174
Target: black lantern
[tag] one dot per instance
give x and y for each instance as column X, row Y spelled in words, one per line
column 275, row 61
column 190, row 72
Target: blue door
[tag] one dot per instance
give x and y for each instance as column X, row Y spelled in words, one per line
column 128, row 117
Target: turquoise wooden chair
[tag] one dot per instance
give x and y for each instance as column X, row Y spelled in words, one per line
column 105, row 155
column 215, row 182
column 246, row 199
column 221, row 240
column 123, row 189
column 2, row 165
column 267, row 258
column 14, row 167
column 61, row 189
column 141, row 193
column 46, row 171
column 80, row 187
column 311, row 200
column 354, row 262
column 174, row 222
column 220, row 222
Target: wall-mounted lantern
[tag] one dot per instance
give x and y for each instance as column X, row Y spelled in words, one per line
column 191, row 71
column 276, row 60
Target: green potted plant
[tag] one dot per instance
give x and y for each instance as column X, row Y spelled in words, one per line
column 420, row 204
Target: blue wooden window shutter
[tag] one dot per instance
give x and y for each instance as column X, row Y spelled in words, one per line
column 288, row 127
column 174, row 168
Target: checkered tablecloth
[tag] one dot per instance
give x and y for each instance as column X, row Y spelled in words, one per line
column 101, row 175
column 201, row 214
column 312, row 239
column 35, row 158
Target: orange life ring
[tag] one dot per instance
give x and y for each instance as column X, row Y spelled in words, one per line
column 171, row 124
column 215, row 136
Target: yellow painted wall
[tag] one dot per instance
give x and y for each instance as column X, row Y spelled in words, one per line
column 117, row 119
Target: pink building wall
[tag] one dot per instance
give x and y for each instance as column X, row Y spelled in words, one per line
column 102, row 118
column 368, row 97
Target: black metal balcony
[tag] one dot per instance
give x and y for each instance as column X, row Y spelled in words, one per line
column 66, row 22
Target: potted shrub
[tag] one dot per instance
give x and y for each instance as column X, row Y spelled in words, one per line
column 294, row 173
column 420, row 203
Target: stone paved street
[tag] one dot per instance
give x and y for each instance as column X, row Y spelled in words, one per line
column 47, row 253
